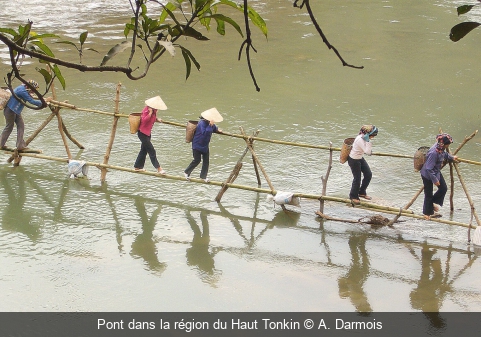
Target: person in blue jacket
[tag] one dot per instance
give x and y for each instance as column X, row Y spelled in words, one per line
column 13, row 113
column 201, row 140
column 431, row 174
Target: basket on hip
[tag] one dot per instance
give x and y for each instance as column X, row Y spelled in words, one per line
column 134, row 122
column 346, row 149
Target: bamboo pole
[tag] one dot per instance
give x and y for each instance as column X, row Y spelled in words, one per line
column 69, row 136
column 266, row 140
column 254, row 156
column 234, row 173
column 115, row 120
column 461, row 179
column 367, row 206
column 256, row 170
column 324, row 180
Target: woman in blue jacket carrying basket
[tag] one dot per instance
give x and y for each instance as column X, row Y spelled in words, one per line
column 201, row 140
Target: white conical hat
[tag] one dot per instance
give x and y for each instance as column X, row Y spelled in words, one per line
column 156, row 103
column 212, row 115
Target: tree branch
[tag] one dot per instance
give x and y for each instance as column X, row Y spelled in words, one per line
column 319, row 30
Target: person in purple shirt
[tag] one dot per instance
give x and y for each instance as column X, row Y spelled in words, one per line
column 431, row 175
column 13, row 113
column 201, row 140
column 148, row 118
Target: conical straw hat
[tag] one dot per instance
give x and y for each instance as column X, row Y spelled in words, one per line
column 156, row 103
column 212, row 115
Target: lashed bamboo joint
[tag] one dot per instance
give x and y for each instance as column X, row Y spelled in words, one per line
column 55, row 106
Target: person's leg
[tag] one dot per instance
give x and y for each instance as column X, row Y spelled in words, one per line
column 355, row 165
column 197, row 157
column 140, row 161
column 367, row 176
column 438, row 197
column 9, row 123
column 205, row 165
column 21, row 144
column 149, row 147
column 428, row 209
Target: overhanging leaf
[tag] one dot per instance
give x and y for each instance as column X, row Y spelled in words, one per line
column 168, row 46
column 46, row 75
column 44, row 48
column 228, row 20
column 8, row 31
column 114, row 51
column 464, row 9
column 83, row 37
column 460, row 30
column 58, row 74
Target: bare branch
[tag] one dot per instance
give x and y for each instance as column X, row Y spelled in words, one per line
column 319, row 30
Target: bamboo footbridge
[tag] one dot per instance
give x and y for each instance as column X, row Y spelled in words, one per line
column 55, row 107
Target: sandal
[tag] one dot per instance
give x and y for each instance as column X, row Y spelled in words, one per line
column 355, row 201
column 436, row 215
column 364, row 196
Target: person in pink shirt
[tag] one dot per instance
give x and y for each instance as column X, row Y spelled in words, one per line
column 147, row 120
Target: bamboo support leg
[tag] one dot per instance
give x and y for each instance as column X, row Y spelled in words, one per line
column 461, row 179
column 103, row 173
column 234, row 173
column 324, row 179
column 62, row 134
column 257, row 160
column 35, row 134
column 230, row 180
column 67, row 133
column 451, row 192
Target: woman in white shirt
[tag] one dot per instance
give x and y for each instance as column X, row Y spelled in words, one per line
column 358, row 164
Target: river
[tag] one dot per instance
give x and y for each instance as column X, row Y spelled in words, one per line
column 140, row 243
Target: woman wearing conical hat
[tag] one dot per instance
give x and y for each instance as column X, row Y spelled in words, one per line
column 148, row 118
column 201, row 140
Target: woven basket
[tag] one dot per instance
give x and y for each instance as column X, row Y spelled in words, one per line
column 134, row 122
column 346, row 149
column 190, row 130
column 4, row 97
column 420, row 157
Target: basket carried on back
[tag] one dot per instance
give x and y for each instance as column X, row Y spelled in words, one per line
column 346, row 149
column 420, row 157
column 5, row 95
column 190, row 130
column 134, row 122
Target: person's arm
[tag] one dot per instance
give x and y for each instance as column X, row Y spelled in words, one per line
column 25, row 96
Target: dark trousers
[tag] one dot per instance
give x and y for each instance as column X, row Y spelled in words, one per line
column 145, row 148
column 205, row 163
column 359, row 187
column 12, row 118
column 436, row 198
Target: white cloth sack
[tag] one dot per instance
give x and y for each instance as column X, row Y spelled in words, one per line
column 282, row 198
column 76, row 167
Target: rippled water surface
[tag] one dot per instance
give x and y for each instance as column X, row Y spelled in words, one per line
column 142, row 243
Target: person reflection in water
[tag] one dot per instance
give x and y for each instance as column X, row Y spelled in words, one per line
column 17, row 217
column 144, row 244
column 431, row 286
column 198, row 254
column 351, row 285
